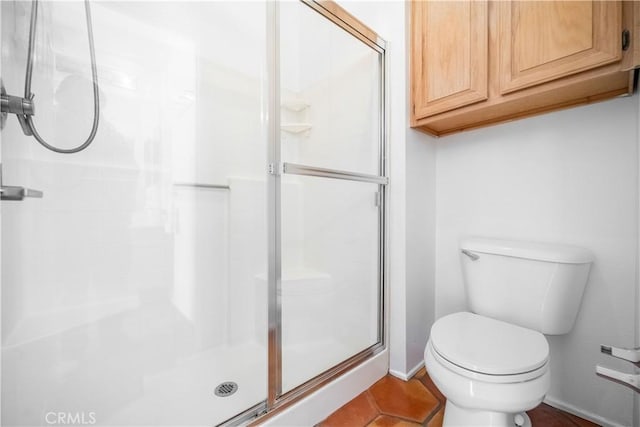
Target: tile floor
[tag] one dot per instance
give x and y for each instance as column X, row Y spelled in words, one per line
column 392, row 402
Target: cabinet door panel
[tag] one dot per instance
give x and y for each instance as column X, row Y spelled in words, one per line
column 542, row 41
column 449, row 54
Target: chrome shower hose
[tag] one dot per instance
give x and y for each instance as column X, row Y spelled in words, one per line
column 94, row 75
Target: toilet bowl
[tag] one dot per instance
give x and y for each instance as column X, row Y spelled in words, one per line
column 492, row 363
column 490, row 371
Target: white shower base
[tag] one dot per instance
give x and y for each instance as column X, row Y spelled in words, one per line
column 184, row 396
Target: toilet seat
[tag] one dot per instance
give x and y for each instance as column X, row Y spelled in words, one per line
column 487, row 378
column 487, row 349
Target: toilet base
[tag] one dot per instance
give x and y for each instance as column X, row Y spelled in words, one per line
column 454, row 416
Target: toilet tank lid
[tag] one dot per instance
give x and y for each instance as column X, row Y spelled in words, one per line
column 550, row 252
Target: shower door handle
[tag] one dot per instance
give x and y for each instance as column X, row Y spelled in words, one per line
column 10, row 192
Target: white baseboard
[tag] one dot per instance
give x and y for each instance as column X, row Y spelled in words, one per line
column 580, row 412
column 408, row 375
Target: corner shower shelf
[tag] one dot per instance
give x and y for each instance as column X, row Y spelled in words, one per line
column 294, row 104
column 295, row 127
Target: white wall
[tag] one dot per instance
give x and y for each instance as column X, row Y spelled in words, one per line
column 636, row 401
column 420, row 244
column 568, row 177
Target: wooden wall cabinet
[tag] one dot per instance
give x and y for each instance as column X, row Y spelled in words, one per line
column 478, row 62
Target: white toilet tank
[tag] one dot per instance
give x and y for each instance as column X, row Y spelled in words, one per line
column 535, row 285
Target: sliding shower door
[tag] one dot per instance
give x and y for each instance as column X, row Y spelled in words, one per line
column 331, row 195
column 132, row 290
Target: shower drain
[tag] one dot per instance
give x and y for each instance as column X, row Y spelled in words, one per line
column 227, row 388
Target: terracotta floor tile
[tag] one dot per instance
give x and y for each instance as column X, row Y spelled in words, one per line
column 580, row 421
column 357, row 413
column 548, row 416
column 437, row 419
column 410, row 400
column 392, row 402
column 387, row 421
column 426, row 380
column 421, row 373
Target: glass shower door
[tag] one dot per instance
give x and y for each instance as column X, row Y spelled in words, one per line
column 133, row 288
column 331, row 147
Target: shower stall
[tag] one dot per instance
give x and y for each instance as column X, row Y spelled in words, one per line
column 218, row 250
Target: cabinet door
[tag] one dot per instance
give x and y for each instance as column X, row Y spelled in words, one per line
column 541, row 41
column 449, row 54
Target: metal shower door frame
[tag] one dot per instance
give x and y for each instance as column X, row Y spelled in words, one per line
column 275, row 169
column 334, row 13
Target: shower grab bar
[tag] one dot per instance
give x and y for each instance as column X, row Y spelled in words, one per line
column 200, row 185
column 296, row 169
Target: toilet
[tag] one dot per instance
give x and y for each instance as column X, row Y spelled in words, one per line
column 492, row 362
